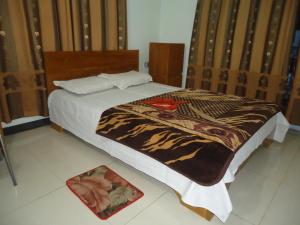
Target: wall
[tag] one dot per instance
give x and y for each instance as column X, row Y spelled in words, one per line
column 143, row 19
column 176, row 24
column 161, row 21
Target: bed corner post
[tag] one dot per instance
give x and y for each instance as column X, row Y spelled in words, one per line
column 204, row 213
column 57, row 127
column 267, row 143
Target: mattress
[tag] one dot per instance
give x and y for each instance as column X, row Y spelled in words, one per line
column 80, row 114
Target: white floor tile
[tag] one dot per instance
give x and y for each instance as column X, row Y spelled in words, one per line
column 274, row 160
column 232, row 220
column 292, row 178
column 152, row 190
column 284, row 208
column 251, row 195
column 33, row 180
column 43, row 159
column 57, row 208
column 63, row 154
column 29, row 137
column 168, row 211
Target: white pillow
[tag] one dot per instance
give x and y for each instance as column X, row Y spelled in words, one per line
column 124, row 80
column 85, row 85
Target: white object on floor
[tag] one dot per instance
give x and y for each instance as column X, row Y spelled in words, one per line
column 80, row 116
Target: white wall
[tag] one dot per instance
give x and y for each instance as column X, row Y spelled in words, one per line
column 176, row 24
column 143, row 19
column 161, row 21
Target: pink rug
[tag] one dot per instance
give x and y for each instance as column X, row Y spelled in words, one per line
column 103, row 191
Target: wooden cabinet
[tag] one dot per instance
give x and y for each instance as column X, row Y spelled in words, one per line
column 166, row 63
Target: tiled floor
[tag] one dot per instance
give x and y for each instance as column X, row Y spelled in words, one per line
column 266, row 191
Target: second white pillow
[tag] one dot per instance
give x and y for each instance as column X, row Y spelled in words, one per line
column 125, row 80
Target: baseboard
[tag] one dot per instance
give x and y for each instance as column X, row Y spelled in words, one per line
column 26, row 126
column 295, row 128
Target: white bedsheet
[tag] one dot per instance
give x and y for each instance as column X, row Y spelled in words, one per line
column 80, row 115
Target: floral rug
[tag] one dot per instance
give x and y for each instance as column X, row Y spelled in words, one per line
column 104, row 191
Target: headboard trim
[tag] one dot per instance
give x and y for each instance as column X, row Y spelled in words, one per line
column 66, row 65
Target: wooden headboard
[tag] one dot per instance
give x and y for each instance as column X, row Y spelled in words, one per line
column 70, row 65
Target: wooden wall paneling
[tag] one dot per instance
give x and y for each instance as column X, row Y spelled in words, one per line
column 47, row 26
column 23, row 55
column 202, row 33
column 64, row 12
column 1, row 132
column 220, row 39
column 215, row 79
column 260, row 36
column 240, row 33
column 96, row 31
column 253, row 83
column 232, row 82
column 3, row 101
column 285, row 37
column 274, row 82
column 76, row 32
column 112, row 25
column 282, row 55
column 199, row 76
column 294, row 117
column 293, row 112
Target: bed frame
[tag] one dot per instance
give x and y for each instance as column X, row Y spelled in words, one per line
column 70, row 65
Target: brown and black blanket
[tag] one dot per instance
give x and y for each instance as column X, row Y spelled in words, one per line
column 194, row 132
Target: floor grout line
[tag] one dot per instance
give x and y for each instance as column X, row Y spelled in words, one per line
column 47, row 168
column 113, row 160
column 150, row 204
column 278, row 181
column 263, row 175
column 32, row 201
column 279, row 186
column 269, row 176
column 242, row 218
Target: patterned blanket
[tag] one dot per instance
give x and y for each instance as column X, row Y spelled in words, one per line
column 194, row 132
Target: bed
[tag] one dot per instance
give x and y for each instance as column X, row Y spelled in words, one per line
column 80, row 115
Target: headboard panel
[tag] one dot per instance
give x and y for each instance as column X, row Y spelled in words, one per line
column 71, row 65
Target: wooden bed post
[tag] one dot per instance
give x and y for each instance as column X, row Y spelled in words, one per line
column 205, row 213
column 57, row 127
column 267, row 143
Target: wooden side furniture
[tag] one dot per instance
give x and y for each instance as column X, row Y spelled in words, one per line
column 6, row 158
column 166, row 63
